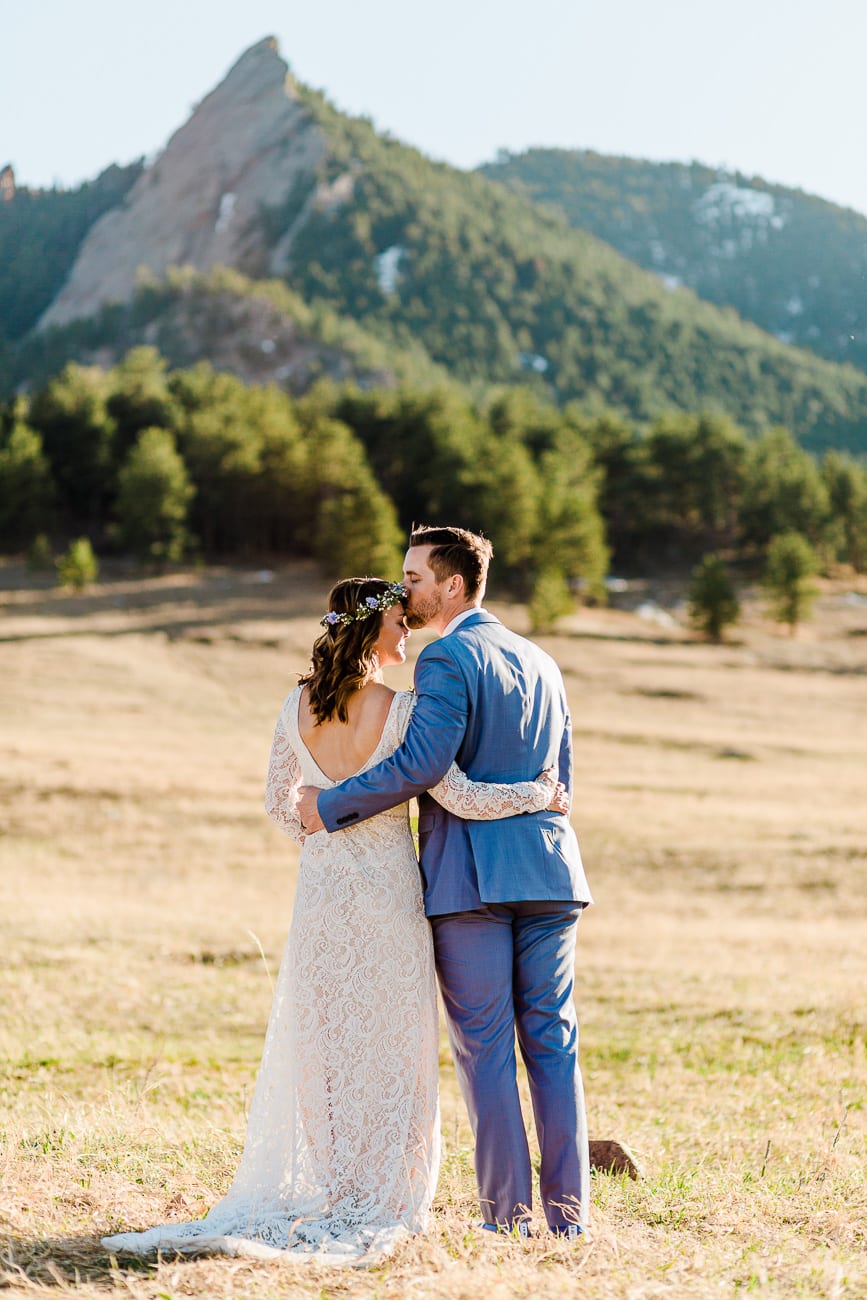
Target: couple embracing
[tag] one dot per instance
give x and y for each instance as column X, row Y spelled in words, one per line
column 342, row 1148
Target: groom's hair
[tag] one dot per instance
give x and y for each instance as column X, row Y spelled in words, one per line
column 456, row 550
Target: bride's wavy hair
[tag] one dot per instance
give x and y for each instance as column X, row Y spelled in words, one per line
column 344, row 656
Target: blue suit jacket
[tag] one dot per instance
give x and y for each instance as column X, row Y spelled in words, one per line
column 494, row 703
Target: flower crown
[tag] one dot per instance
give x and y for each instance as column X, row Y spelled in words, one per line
column 394, row 594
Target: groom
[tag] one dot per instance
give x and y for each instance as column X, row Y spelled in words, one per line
column 503, row 897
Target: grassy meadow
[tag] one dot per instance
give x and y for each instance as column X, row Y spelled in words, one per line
column 145, row 900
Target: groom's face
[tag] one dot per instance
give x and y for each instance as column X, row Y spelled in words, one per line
column 426, row 596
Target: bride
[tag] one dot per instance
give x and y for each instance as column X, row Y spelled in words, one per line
column 342, row 1148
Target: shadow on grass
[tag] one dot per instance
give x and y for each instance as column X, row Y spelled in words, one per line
column 62, row 1263
column 632, row 638
column 181, row 628
column 176, row 605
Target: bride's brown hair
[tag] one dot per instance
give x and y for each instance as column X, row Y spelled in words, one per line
column 344, row 656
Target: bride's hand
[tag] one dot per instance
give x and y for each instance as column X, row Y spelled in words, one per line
column 559, row 797
column 308, row 812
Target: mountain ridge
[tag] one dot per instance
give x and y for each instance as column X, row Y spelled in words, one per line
column 791, row 262
column 269, row 177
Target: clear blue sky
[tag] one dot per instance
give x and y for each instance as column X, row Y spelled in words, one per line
column 768, row 87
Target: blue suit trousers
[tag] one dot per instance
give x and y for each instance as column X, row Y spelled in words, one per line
column 507, row 969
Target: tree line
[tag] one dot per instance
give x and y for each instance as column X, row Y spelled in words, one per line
column 166, row 464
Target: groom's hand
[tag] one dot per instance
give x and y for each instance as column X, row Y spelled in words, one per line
column 308, row 799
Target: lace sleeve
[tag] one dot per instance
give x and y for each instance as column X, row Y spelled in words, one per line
column 484, row 800
column 284, row 778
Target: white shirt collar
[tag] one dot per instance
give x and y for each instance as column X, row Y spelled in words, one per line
column 459, row 618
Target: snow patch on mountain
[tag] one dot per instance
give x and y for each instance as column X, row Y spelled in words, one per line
column 725, row 202
column 533, row 361
column 387, row 266
column 227, row 207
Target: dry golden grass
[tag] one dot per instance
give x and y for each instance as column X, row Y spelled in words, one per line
column 721, row 977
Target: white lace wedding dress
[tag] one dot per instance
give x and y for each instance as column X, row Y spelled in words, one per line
column 342, row 1148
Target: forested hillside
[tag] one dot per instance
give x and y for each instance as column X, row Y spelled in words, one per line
column 262, row 331
column 495, row 289
column 794, row 264
column 41, row 232
column 443, row 271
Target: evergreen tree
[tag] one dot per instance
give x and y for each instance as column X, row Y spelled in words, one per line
column 152, row 499
column 139, row 397
column 71, row 415
column 78, row 567
column 783, row 491
column 788, row 578
column 626, row 490
column 222, row 452
column 520, row 413
column 551, row 600
column 571, row 536
column 846, row 482
column 424, row 448
column 283, row 493
column 357, row 533
column 356, row 529
column 696, row 466
column 507, row 502
column 713, row 604
column 26, row 488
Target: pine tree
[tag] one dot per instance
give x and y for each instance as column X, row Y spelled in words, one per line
column 846, row 481
column 551, row 600
column 26, row 488
column 571, row 536
column 78, row 566
column 153, row 495
column 788, row 578
column 77, row 432
column 713, row 604
column 356, row 529
column 783, row 491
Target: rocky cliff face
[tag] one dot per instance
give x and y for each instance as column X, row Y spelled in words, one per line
column 248, row 146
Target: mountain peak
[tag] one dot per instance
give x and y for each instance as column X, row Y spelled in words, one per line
column 260, row 65
column 200, row 203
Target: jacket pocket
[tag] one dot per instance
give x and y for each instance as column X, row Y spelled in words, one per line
column 557, row 841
